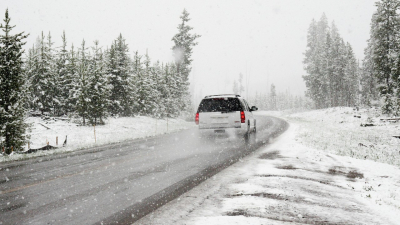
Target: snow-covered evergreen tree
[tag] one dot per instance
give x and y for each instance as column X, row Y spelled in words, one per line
column 71, row 80
column 81, row 88
column 338, row 58
column 335, row 68
column 385, row 43
column 98, row 87
column 321, row 62
column 151, row 84
column 167, row 85
column 156, row 77
column 312, row 79
column 54, row 89
column 139, row 79
column 351, row 78
column 332, row 72
column 41, row 80
column 273, row 98
column 170, row 104
column 29, row 69
column 118, row 69
column 184, row 41
column 12, row 93
column 369, row 83
column 162, row 92
column 64, row 82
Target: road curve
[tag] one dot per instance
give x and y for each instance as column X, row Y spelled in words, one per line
column 119, row 182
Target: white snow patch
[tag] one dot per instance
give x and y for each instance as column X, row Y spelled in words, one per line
column 80, row 137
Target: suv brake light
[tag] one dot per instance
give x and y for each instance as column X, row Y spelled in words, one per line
column 197, row 119
column 242, row 117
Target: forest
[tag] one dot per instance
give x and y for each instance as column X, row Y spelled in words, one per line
column 88, row 82
column 334, row 77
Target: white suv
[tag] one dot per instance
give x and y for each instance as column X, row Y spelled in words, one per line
column 226, row 113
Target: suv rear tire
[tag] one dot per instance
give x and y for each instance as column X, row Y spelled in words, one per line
column 248, row 133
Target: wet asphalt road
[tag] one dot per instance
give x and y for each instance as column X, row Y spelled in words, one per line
column 119, row 183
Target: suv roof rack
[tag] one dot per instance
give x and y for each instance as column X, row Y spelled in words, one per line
column 231, row 95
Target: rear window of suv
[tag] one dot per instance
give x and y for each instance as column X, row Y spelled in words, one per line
column 220, row 105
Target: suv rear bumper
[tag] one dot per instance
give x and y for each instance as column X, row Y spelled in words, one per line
column 236, row 125
column 227, row 130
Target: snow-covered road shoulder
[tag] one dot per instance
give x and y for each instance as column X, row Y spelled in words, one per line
column 115, row 130
column 287, row 182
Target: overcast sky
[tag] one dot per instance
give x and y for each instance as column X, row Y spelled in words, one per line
column 263, row 40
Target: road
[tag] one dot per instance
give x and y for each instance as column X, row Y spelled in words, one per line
column 119, row 183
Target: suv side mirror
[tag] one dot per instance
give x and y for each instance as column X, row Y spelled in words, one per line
column 253, row 108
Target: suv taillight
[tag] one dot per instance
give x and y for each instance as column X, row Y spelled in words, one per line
column 197, row 119
column 242, row 117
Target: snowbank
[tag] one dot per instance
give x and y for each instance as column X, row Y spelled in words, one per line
column 79, row 137
column 342, row 131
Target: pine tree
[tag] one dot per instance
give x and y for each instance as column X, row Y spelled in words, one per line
column 273, row 98
column 332, row 72
column 369, row 83
column 168, row 91
column 312, row 80
column 171, row 104
column 81, row 89
column 120, row 78
column 64, row 82
column 384, row 39
column 329, row 55
column 158, row 87
column 163, row 91
column 71, row 80
column 151, row 86
column 321, row 62
column 29, row 69
column 41, row 77
column 184, row 41
column 12, row 93
column 98, row 88
column 146, row 98
column 338, row 66
column 53, row 79
column 139, row 79
column 351, row 78
column 177, row 92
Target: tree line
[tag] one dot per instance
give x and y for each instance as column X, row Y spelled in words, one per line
column 273, row 100
column 335, row 78
column 333, row 72
column 91, row 83
column 278, row 101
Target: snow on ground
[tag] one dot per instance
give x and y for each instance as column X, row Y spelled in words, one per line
column 80, row 137
column 301, row 179
column 339, row 131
